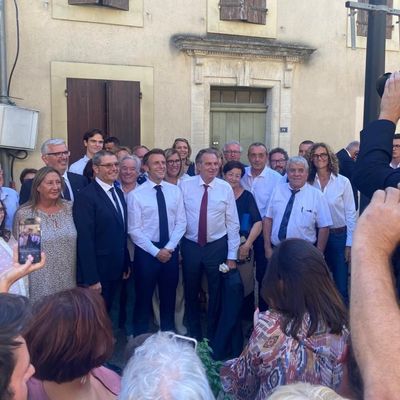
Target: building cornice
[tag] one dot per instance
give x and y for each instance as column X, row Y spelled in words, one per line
column 241, row 46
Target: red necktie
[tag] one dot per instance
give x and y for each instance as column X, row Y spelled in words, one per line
column 202, row 235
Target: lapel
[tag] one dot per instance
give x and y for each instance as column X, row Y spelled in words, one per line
column 108, row 203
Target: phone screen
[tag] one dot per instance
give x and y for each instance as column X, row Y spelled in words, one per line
column 29, row 240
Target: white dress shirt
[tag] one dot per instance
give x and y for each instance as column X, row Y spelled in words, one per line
column 261, row 186
column 339, row 194
column 143, row 219
column 310, row 210
column 106, row 187
column 10, row 199
column 78, row 166
column 222, row 216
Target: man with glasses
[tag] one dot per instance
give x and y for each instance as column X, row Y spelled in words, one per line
column 232, row 151
column 395, row 163
column 100, row 218
column 278, row 159
column 55, row 154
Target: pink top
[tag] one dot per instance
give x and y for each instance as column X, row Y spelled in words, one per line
column 109, row 379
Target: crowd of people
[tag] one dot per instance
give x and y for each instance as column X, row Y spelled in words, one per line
column 140, row 238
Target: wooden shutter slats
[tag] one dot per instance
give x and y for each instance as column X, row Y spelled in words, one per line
column 362, row 21
column 253, row 11
column 118, row 4
column 257, row 11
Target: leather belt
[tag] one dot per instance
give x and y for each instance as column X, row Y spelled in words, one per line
column 342, row 229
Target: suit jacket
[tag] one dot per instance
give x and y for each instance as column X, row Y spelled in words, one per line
column 102, row 236
column 346, row 167
column 77, row 182
column 372, row 170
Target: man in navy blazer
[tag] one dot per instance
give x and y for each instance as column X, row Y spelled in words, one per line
column 55, row 154
column 100, row 217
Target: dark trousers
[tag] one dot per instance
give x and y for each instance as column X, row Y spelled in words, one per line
column 109, row 290
column 261, row 267
column 150, row 272
column 195, row 260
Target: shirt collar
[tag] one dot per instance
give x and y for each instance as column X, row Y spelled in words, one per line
column 201, row 182
column 290, row 188
column 105, row 186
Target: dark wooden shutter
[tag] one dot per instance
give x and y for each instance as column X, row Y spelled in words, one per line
column 81, row 2
column 119, row 4
column 123, row 111
column 232, row 10
column 86, row 109
column 362, row 21
column 257, row 11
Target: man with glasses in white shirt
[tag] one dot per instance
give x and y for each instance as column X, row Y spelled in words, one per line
column 55, row 154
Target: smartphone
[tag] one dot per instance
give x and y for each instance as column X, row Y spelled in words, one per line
column 184, row 339
column 29, row 240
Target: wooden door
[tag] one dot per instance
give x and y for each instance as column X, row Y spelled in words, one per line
column 112, row 106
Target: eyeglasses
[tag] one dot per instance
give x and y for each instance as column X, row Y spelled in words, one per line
column 322, row 156
column 282, row 161
column 232, row 152
column 2, row 209
column 59, row 154
column 396, row 146
column 110, row 165
column 172, row 162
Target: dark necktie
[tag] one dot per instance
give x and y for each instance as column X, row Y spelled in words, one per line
column 202, row 234
column 286, row 216
column 162, row 216
column 114, row 196
column 66, row 194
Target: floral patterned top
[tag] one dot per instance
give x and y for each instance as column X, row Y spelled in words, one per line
column 272, row 359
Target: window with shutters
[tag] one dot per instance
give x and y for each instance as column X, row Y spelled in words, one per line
column 362, row 21
column 118, row 4
column 253, row 11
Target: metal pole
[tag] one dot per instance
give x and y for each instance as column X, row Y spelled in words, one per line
column 375, row 60
column 3, row 55
column 374, row 67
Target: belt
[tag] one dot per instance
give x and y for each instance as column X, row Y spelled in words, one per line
column 342, row 229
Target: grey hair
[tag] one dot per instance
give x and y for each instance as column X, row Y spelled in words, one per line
column 136, row 159
column 297, row 160
column 96, row 160
column 304, row 391
column 44, row 149
column 351, row 145
column 232, row 142
column 163, row 368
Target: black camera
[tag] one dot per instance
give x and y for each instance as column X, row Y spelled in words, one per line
column 381, row 82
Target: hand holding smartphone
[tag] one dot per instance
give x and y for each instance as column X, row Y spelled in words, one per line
column 29, row 240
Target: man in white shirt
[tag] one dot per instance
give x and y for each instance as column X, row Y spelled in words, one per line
column 260, row 180
column 296, row 210
column 93, row 140
column 211, row 238
column 156, row 224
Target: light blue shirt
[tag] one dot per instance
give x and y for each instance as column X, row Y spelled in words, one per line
column 78, row 166
column 10, row 199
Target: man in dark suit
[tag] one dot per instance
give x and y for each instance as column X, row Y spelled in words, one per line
column 347, row 162
column 55, row 154
column 100, row 217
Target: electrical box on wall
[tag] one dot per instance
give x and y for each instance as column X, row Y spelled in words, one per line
column 18, row 127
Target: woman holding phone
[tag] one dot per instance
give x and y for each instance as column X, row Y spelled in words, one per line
column 58, row 234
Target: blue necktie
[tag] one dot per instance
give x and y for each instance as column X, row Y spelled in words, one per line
column 286, row 216
column 66, row 194
column 114, row 196
column 162, row 216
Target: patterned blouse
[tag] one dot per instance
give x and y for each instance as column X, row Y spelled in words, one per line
column 272, row 359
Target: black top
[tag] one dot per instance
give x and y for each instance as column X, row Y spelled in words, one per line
column 191, row 169
column 372, row 170
column 248, row 212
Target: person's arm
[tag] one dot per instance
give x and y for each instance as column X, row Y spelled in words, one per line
column 372, row 170
column 374, row 311
column 244, row 249
column 267, row 229
column 232, row 229
column 322, row 240
column 17, row 271
column 350, row 216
